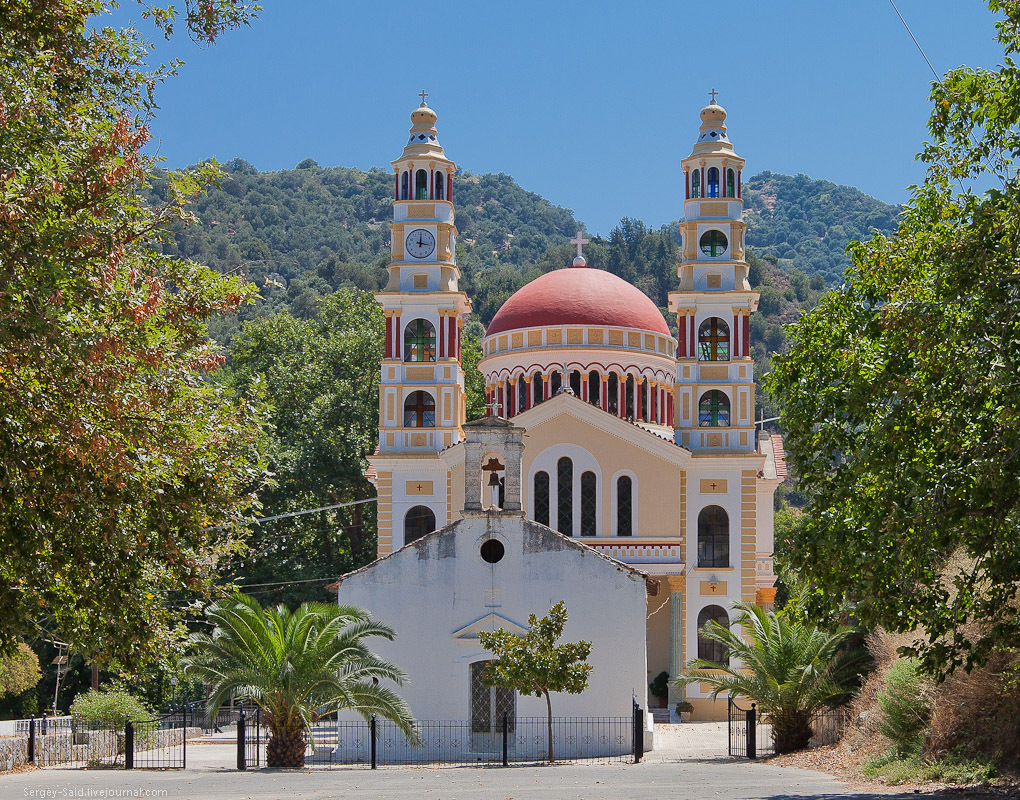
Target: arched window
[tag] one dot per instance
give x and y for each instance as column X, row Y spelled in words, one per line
column 613, row 389
column 440, row 179
column 420, row 410
column 731, row 183
column 712, row 181
column 557, row 381
column 417, row 522
column 537, row 389
column 696, row 183
column 709, row 649
column 589, row 503
column 421, row 185
column 419, row 341
column 714, row 410
column 542, row 497
column 713, row 538
column 575, row 382
column 521, row 394
column 714, row 340
column 628, row 397
column 594, row 388
column 624, row 506
column 404, row 185
column 565, row 496
column 713, row 243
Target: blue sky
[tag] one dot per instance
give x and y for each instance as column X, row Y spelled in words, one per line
column 590, row 104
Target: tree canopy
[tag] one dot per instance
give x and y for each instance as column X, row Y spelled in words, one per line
column 320, row 377
column 534, row 664
column 900, row 397
column 119, row 458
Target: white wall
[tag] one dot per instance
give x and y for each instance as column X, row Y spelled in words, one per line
column 434, row 588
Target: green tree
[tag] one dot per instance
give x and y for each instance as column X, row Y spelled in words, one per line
column 321, row 378
column 900, row 399
column 294, row 664
column 533, row 664
column 123, row 466
column 789, row 667
column 19, row 671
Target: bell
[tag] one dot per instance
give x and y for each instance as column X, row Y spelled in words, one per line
column 493, row 479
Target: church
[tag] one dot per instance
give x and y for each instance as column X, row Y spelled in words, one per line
column 636, row 450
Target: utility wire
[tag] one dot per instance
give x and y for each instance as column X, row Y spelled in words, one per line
column 916, row 43
column 260, row 520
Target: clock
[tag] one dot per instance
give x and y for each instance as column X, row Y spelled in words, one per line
column 420, row 243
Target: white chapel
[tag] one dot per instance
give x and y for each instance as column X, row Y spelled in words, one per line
column 636, row 447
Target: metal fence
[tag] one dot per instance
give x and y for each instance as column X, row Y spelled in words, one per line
column 156, row 742
column 517, row 740
column 750, row 730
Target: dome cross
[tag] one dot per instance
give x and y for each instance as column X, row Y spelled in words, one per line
column 423, row 94
column 580, row 241
column 713, row 94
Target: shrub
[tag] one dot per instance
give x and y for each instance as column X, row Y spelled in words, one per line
column 905, row 704
column 659, row 686
column 112, row 707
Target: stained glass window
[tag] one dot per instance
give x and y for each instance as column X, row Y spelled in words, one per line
column 404, row 181
column 624, row 507
column 542, row 497
column 440, row 180
column 417, row 522
column 589, row 504
column 713, row 243
column 419, row 341
column 713, row 537
column 712, row 181
column 421, row 185
column 714, row 340
column 709, row 649
column 731, row 185
column 714, row 410
column 565, row 496
column 420, row 410
column 696, row 183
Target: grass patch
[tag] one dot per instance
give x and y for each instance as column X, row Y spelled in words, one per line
column 954, row 769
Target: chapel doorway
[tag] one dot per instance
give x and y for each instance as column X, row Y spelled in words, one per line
column 488, row 704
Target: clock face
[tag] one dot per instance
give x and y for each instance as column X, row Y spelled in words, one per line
column 420, row 243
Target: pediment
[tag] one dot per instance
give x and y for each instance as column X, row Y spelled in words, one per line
column 490, row 622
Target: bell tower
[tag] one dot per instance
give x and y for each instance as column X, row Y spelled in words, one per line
column 715, row 374
column 422, row 385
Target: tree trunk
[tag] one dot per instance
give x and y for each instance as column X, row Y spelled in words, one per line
column 286, row 748
column 791, row 731
column 548, row 706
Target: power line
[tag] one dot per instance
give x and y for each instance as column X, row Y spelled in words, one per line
column 260, row 520
column 918, row 44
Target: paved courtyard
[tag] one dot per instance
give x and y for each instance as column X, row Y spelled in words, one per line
column 691, row 763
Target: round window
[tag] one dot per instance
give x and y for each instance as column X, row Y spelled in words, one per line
column 492, row 551
column 713, row 243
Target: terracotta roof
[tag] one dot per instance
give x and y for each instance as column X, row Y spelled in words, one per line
column 578, row 296
column 777, row 447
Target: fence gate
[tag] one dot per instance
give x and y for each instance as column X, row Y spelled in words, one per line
column 158, row 742
column 250, row 739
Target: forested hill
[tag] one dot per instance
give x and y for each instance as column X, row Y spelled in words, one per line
column 806, row 223
column 301, row 233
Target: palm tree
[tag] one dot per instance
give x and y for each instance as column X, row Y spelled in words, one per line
column 293, row 664
column 789, row 667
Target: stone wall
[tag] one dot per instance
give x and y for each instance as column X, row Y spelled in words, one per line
column 85, row 747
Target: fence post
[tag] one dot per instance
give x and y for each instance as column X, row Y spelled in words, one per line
column 31, row 739
column 43, row 732
column 639, row 733
column 129, row 745
column 258, row 737
column 372, row 731
column 242, row 762
column 752, row 730
column 506, row 733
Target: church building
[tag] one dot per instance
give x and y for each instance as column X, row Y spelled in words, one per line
column 637, row 445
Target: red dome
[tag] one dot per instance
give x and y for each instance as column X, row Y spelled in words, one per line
column 578, row 296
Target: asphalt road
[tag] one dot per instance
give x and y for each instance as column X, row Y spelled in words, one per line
column 209, row 777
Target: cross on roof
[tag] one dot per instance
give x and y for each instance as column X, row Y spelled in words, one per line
column 494, row 406
column 423, row 94
column 713, row 94
column 580, row 241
